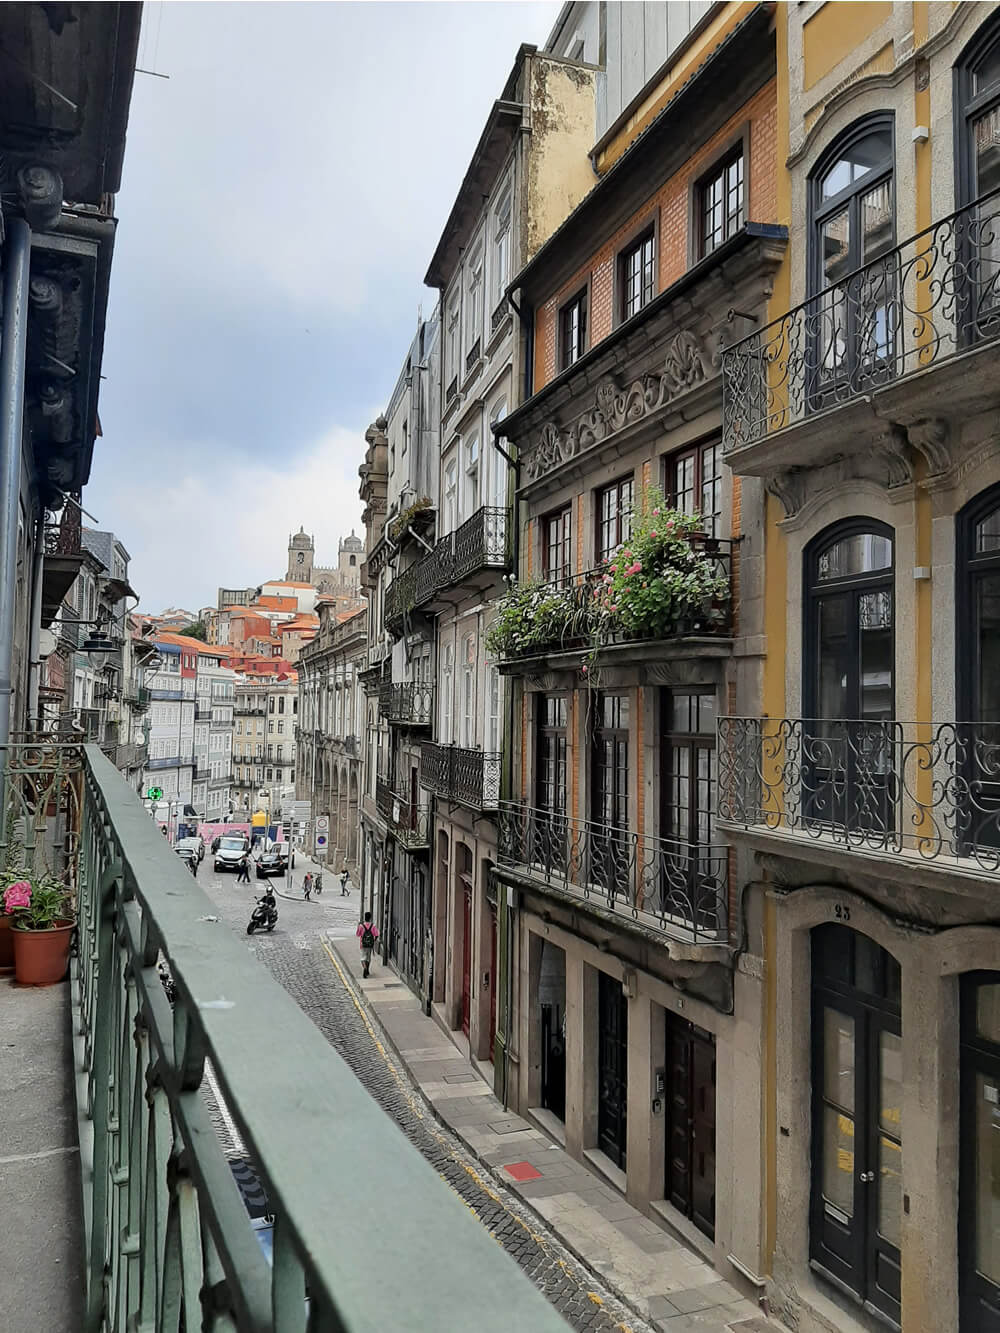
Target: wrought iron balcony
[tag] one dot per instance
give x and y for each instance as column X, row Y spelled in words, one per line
column 137, row 698
column 473, row 355
column 572, row 622
column 467, row 777
column 166, row 1233
column 407, row 703
column 129, row 755
column 410, row 822
column 667, row 885
column 925, row 302
column 469, row 557
column 909, row 791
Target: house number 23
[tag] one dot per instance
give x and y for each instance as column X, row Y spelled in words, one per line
column 842, row 912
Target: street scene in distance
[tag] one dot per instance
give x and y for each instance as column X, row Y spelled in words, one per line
column 500, row 624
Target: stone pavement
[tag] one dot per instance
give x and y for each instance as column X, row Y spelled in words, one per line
column 655, row 1275
column 297, row 956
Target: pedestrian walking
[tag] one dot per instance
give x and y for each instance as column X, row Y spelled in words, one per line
column 244, row 876
column 344, row 878
column 193, row 865
column 367, row 933
column 307, row 883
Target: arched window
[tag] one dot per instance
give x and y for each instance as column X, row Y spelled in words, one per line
column 849, row 646
column 977, row 116
column 857, row 1147
column 977, row 639
column 852, row 225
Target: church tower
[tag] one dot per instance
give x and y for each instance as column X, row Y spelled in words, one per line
column 300, row 557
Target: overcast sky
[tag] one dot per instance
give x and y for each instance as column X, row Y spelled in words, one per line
column 282, row 196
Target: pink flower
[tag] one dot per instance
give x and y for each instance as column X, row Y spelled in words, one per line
column 656, row 514
column 614, row 569
column 653, row 533
column 18, row 895
column 613, row 608
column 608, row 578
column 637, row 567
column 584, row 670
column 669, row 525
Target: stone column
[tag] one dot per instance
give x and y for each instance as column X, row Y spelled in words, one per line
column 581, row 1055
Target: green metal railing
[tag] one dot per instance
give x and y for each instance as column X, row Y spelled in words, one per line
column 363, row 1223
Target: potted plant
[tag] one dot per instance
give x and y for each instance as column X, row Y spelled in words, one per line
column 41, row 917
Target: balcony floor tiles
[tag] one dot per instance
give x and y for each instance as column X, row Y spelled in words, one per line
column 41, row 1260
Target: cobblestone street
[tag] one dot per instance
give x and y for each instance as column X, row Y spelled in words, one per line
column 296, row 956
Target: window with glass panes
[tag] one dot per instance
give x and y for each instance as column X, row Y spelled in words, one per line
column 614, row 517
column 573, row 330
column 693, row 484
column 721, row 203
column 688, row 790
column 637, row 275
column 550, row 772
column 610, row 762
column 556, row 545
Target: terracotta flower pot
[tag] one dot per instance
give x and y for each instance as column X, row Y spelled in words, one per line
column 41, row 957
column 6, row 943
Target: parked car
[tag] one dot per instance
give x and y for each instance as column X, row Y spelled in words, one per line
column 230, row 849
column 274, row 862
column 191, row 847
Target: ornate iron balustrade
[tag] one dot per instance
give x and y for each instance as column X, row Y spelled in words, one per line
column 480, row 543
column 679, row 888
column 129, row 755
column 579, row 624
column 168, row 1238
column 400, row 599
column 933, row 296
column 903, row 788
column 472, row 356
column 499, row 315
column 468, row 777
column 410, row 823
column 64, row 537
column 407, row 703
column 42, row 794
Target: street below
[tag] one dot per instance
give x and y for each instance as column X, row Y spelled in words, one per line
column 295, row 955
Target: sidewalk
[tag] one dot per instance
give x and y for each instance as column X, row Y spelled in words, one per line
column 657, row 1276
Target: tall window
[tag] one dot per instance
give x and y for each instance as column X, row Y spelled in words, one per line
column 497, row 462
column 556, row 529
column 501, row 247
column 468, row 692
column 608, row 839
column 979, row 1170
column 853, row 224
column 977, row 98
column 720, row 202
column 471, row 499
column 978, row 638
column 451, row 494
column 614, row 517
column 637, row 275
column 857, row 1077
column 693, row 483
column 474, row 301
column 447, row 685
column 454, row 339
column 850, row 623
column 550, row 773
column 573, row 330
column 494, row 697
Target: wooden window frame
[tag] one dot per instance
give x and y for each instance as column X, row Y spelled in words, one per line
column 580, row 298
column 696, row 451
column 649, row 226
column 599, row 553
column 563, row 515
column 738, row 142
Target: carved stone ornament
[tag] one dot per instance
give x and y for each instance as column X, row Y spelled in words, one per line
column 791, row 488
column 686, row 364
column 930, row 436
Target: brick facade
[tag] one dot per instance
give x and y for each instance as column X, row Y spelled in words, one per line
column 670, row 207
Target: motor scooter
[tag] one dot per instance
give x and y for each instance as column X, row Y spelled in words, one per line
column 265, row 914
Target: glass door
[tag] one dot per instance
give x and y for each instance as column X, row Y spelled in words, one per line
column 610, row 842
column 612, row 1068
column 979, row 1171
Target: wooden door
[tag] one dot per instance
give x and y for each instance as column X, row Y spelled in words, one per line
column 466, row 956
column 690, row 1129
column 493, row 976
column 612, row 1072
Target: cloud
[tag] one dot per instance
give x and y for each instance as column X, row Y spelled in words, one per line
column 209, row 529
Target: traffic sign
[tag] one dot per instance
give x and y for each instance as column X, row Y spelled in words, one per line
column 322, row 823
column 320, row 839
column 154, row 794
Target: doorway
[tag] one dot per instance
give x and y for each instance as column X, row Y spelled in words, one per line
column 465, row 884
column 690, row 1129
column 855, row 1218
column 612, row 1069
column 979, row 1167
column 552, row 1014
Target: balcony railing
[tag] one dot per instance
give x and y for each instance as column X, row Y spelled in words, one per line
column 129, row 755
column 577, row 625
column 410, row 823
column 479, row 544
column 168, row 1240
column 407, row 703
column 907, row 789
column 932, row 297
column 473, row 355
column 673, row 886
column 468, row 777
column 137, row 698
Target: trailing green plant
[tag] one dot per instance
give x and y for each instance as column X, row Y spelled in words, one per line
column 658, row 578
column 411, row 514
column 534, row 616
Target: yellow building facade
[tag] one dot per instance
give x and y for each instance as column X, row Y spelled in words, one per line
column 862, row 799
